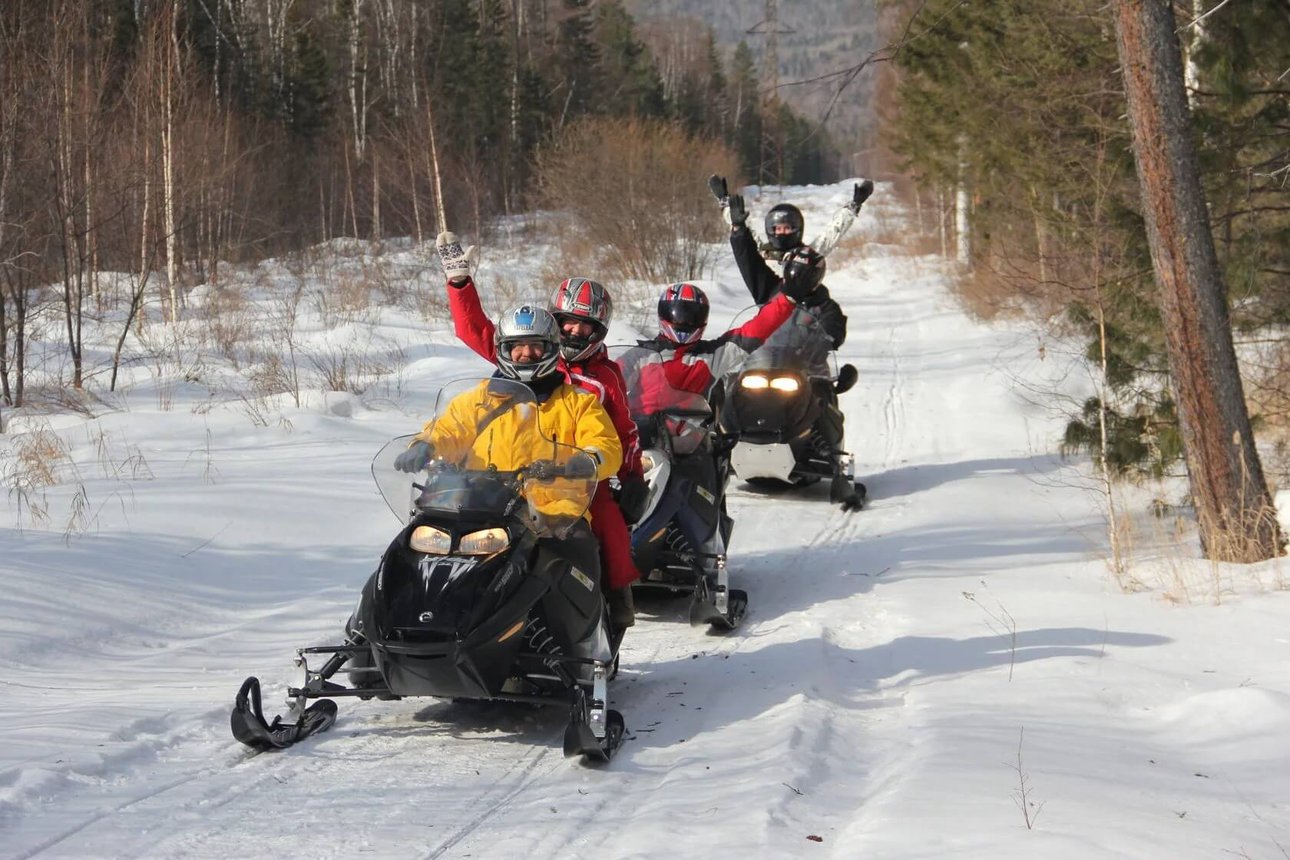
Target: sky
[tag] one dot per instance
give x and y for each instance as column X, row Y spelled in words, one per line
column 955, row 671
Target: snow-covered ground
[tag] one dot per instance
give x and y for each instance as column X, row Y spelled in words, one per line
column 953, row 672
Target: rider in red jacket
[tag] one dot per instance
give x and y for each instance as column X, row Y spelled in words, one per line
column 692, row 363
column 583, row 308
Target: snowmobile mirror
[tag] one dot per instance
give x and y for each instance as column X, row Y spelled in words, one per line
column 847, row 376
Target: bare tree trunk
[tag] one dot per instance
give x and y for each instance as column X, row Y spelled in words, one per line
column 349, row 190
column 962, row 223
column 9, row 95
column 434, row 162
column 168, row 164
column 940, row 222
column 1192, row 69
column 15, row 282
column 357, row 90
column 145, row 267
column 376, row 194
column 91, row 237
column 1233, row 508
column 65, row 203
column 416, row 197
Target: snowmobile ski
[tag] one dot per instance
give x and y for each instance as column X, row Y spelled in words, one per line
column 250, row 727
column 716, row 603
column 856, row 501
column 595, row 732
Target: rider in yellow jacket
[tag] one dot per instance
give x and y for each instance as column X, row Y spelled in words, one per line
column 567, row 416
column 479, row 429
column 566, row 425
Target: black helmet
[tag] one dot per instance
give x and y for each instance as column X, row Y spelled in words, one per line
column 682, row 313
column 784, row 214
column 803, row 272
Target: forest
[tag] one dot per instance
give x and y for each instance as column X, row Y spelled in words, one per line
column 161, row 138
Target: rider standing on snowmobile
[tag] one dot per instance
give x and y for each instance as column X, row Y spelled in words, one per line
column 784, row 227
column 583, row 310
column 784, row 222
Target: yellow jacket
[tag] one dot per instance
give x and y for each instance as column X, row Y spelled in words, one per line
column 513, row 439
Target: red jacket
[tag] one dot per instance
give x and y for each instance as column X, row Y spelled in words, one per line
column 662, row 372
column 596, row 373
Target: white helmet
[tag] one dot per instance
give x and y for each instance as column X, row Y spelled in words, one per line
column 527, row 323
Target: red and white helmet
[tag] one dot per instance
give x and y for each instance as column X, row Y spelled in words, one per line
column 682, row 313
column 586, row 301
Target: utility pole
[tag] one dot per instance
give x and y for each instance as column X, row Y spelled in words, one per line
column 772, row 143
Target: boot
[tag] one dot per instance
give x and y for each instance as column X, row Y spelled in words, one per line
column 622, row 607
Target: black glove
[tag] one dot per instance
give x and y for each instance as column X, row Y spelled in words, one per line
column 738, row 212
column 542, row 470
column 632, row 497
column 717, row 185
column 860, row 195
column 414, row 459
column 580, row 466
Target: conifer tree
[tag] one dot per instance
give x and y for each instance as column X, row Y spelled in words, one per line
column 746, row 120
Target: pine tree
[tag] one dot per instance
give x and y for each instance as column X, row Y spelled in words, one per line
column 629, row 75
column 746, row 113
column 576, row 61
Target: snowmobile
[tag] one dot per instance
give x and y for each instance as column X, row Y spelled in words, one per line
column 484, row 593
column 679, row 543
column 772, row 405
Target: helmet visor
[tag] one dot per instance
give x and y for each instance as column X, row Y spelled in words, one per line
column 684, row 316
column 526, row 350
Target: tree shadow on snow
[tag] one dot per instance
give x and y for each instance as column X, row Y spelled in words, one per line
column 783, row 581
column 673, row 700
column 907, row 480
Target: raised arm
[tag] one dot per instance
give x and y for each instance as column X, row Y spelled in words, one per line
column 843, row 219
column 832, row 235
column 736, row 344
column 471, row 324
column 759, row 278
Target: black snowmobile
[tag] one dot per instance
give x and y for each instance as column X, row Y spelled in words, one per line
column 490, row 591
column 773, row 405
column 679, row 543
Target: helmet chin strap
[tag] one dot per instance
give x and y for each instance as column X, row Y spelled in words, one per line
column 577, row 348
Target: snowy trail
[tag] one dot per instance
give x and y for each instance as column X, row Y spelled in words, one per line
column 479, row 778
column 868, row 706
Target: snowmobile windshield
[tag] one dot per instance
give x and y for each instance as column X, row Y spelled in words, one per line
column 489, row 448
column 799, row 344
column 671, row 395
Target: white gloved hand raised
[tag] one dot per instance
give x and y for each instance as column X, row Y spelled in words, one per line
column 456, row 262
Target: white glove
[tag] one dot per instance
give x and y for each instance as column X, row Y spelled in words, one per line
column 456, row 262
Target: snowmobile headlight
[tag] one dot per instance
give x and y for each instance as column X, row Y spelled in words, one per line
column 430, row 539
column 785, row 383
column 484, row 542
column 756, row 382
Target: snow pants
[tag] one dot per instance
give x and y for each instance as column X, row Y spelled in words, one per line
column 615, row 540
